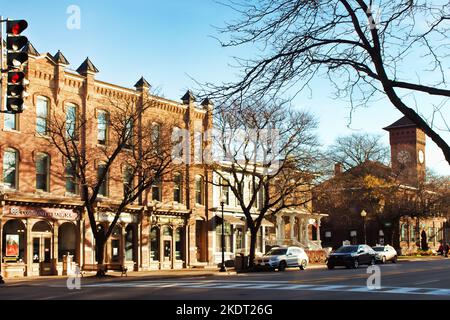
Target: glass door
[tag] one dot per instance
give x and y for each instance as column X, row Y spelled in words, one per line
column 167, row 250
column 36, row 249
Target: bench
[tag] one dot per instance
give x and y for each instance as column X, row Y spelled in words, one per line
column 117, row 267
column 105, row 268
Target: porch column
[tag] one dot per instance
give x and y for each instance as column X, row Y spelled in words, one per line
column 291, row 225
column 122, row 245
column 318, row 229
column 29, row 247
column 300, row 229
column 55, row 247
column 306, row 225
column 279, row 232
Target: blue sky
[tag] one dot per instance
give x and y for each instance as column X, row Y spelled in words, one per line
column 168, row 42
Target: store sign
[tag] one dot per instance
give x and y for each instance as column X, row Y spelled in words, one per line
column 124, row 217
column 35, row 212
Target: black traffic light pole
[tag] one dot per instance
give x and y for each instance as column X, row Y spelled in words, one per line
column 1, row 107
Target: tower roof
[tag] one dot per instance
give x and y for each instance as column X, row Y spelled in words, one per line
column 87, row 66
column 142, row 83
column 60, row 58
column 188, row 97
column 401, row 123
column 30, row 49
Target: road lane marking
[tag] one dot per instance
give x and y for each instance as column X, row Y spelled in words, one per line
column 425, row 282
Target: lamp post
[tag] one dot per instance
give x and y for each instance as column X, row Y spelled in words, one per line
column 363, row 215
column 222, row 204
column 444, row 240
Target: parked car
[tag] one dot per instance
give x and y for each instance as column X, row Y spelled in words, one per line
column 284, row 257
column 385, row 254
column 352, row 256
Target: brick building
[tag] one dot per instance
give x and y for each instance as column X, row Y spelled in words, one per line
column 42, row 217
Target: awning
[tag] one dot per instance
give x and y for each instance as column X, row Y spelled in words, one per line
column 267, row 223
column 231, row 219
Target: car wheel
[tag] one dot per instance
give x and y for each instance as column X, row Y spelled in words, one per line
column 282, row 266
column 394, row 259
column 355, row 264
column 383, row 260
column 330, row 266
column 303, row 265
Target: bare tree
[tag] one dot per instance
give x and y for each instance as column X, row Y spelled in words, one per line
column 266, row 154
column 367, row 49
column 131, row 152
column 357, row 148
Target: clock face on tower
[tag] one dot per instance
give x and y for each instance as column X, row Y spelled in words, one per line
column 421, row 156
column 403, row 157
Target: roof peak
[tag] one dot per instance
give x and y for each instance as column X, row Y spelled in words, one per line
column 60, row 58
column 188, row 97
column 86, row 67
column 142, row 83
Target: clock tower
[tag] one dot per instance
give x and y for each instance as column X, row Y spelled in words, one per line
column 407, row 151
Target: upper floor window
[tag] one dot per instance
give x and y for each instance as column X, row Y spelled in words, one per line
column 102, row 127
column 156, row 135
column 10, row 168
column 225, row 191
column 71, row 121
column 11, row 121
column 198, row 147
column 102, row 178
column 42, row 113
column 177, row 192
column 199, row 190
column 177, row 145
column 71, row 177
column 156, row 189
column 128, row 182
column 42, row 171
column 129, row 134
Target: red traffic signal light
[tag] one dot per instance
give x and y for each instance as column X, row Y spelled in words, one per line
column 16, row 27
column 16, row 77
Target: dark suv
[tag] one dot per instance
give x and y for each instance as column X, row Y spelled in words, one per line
column 352, row 256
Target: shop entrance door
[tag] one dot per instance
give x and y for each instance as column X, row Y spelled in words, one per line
column 42, row 254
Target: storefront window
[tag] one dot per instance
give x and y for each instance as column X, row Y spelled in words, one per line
column 14, row 241
column 413, row 233
column 42, row 172
column 228, row 236
column 115, row 244
column 178, row 244
column 67, row 241
column 129, row 243
column 403, row 232
column 10, row 160
column 154, row 244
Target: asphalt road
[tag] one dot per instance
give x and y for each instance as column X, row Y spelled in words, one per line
column 405, row 280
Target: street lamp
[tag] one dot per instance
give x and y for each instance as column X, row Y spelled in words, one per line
column 444, row 241
column 363, row 215
column 223, row 199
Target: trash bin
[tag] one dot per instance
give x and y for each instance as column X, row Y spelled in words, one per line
column 241, row 262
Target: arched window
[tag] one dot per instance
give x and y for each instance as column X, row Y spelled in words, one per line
column 199, row 190
column 154, row 244
column 10, row 168
column 177, row 145
column 14, row 241
column 42, row 112
column 67, row 241
column 71, row 121
column 156, row 136
column 102, row 127
column 177, row 188
column 42, row 172
column 413, row 233
column 42, row 226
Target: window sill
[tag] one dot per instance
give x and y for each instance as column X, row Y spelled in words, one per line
column 43, row 136
column 12, row 131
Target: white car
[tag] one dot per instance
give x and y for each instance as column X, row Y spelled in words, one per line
column 284, row 257
column 385, row 254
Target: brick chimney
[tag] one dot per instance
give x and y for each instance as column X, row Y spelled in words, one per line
column 337, row 169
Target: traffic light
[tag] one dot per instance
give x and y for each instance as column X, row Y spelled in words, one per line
column 16, row 59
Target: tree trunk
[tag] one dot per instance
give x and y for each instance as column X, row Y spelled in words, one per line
column 253, row 237
column 100, row 255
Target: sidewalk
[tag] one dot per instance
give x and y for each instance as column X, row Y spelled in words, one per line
column 139, row 275
column 420, row 258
